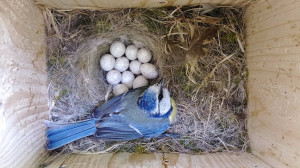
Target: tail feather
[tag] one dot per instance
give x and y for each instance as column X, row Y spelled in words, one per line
column 55, row 129
column 59, row 143
column 59, row 134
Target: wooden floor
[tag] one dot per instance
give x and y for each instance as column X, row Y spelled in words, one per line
column 158, row 160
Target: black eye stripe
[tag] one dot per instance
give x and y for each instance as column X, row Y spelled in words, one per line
column 160, row 97
column 139, row 100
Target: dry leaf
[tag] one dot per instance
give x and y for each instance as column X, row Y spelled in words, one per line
column 209, row 20
column 207, row 8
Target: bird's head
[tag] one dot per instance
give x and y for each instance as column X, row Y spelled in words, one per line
column 157, row 102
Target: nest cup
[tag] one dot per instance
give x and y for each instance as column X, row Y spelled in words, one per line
column 79, row 86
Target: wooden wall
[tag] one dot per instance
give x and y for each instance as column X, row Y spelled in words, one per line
column 273, row 60
column 108, row 4
column 23, row 86
column 158, row 160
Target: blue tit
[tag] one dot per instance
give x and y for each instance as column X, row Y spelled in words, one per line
column 139, row 113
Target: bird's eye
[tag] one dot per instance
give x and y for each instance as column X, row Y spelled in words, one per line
column 160, row 96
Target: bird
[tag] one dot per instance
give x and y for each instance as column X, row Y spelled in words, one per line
column 145, row 112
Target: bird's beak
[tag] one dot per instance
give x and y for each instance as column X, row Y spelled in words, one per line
column 173, row 114
column 160, row 83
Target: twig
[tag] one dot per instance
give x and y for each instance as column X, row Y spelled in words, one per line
column 209, row 113
column 223, row 144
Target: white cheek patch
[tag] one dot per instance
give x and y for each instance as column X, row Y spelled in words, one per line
column 165, row 103
column 154, row 89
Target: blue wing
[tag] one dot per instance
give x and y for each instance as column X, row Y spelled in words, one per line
column 113, row 105
column 115, row 127
column 150, row 130
column 117, row 103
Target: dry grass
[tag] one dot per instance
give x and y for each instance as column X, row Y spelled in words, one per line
column 200, row 54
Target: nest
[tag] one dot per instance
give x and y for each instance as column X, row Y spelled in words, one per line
column 199, row 51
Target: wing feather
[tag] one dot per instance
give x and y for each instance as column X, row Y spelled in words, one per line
column 115, row 127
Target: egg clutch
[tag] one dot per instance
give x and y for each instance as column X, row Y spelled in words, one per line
column 127, row 67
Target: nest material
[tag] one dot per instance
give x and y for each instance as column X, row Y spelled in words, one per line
column 200, row 55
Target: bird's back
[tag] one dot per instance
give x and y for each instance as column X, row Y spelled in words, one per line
column 122, row 114
column 149, row 126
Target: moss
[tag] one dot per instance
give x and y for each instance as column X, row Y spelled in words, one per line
column 164, row 148
column 140, row 149
column 236, row 80
column 56, row 58
column 181, row 77
column 228, row 37
column 150, row 19
column 197, row 151
column 102, row 26
column 61, row 94
column 249, row 150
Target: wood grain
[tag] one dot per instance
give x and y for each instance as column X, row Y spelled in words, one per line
column 273, row 48
column 23, row 80
column 158, row 160
column 104, row 4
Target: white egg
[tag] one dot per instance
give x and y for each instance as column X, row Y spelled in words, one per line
column 144, row 55
column 117, row 49
column 113, row 77
column 131, row 52
column 149, row 71
column 107, row 62
column 134, row 67
column 127, row 79
column 119, row 89
column 122, row 64
column 140, row 81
